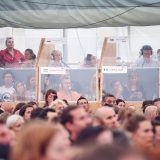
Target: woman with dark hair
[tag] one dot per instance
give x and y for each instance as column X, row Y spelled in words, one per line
column 50, row 96
column 133, row 90
column 29, row 58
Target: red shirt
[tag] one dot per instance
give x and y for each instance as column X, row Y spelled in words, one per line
column 7, row 58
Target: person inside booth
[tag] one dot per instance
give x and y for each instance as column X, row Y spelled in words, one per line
column 57, row 60
column 66, row 91
column 10, row 57
column 145, row 59
column 90, row 61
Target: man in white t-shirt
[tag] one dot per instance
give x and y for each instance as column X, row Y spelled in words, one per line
column 7, row 90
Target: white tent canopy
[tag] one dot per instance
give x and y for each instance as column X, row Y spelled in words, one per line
column 78, row 14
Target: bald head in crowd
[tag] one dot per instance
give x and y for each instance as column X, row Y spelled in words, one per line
column 108, row 116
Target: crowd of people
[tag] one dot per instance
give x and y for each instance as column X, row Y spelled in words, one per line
column 63, row 131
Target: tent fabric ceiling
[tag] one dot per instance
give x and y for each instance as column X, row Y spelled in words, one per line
column 61, row 14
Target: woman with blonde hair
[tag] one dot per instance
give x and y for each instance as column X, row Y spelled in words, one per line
column 15, row 123
column 41, row 141
column 58, row 105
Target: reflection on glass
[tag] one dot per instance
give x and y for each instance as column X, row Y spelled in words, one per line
column 135, row 85
column 7, row 90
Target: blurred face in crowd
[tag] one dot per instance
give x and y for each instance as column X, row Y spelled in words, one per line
column 144, row 133
column 8, row 79
column 110, row 118
column 110, row 100
column 50, row 98
column 32, row 81
column 133, row 78
column 117, row 87
column 147, row 53
column 66, row 83
column 58, row 147
column 157, row 134
column 10, row 43
column 17, row 127
column 157, row 104
column 51, row 115
column 59, row 107
column 84, row 104
column 80, row 120
column 5, row 135
column 57, row 55
column 27, row 114
column 121, row 105
column 105, row 137
column 27, row 55
column 20, row 88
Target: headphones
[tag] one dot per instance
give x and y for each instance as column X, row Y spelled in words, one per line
column 146, row 47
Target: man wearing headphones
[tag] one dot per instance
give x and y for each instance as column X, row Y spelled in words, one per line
column 145, row 59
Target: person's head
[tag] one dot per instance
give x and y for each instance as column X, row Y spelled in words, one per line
column 156, row 102
column 120, row 103
column 18, row 107
column 90, row 60
column 83, row 102
column 4, row 116
column 50, row 96
column 117, row 86
column 48, row 114
column 109, row 99
column 15, row 122
column 91, row 135
column 58, row 105
column 35, row 114
column 120, row 137
column 56, row 55
column 66, row 82
column 140, row 129
column 31, row 82
column 9, row 42
column 40, row 140
column 75, row 119
column 5, row 134
column 146, row 51
column 20, row 88
column 151, row 112
column 34, row 104
column 156, row 130
column 133, row 78
column 8, row 78
column 25, row 112
column 29, row 54
column 110, row 152
column 109, row 117
column 146, row 103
